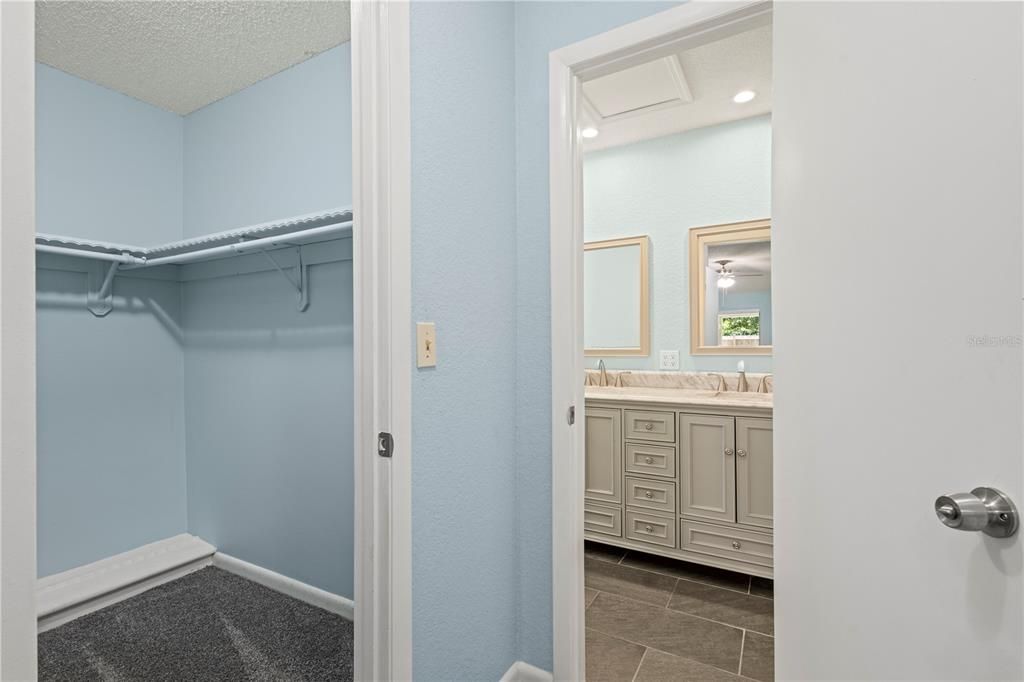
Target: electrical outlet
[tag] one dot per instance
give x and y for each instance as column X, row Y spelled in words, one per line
column 426, row 345
column 669, row 359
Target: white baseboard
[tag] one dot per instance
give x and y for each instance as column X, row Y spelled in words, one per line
column 62, row 597
column 285, row 585
column 521, row 671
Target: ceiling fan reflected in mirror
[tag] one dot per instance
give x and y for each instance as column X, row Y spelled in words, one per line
column 726, row 277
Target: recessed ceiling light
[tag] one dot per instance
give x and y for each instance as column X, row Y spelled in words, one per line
column 744, row 96
column 590, row 132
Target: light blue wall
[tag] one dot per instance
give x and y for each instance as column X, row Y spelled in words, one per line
column 465, row 582
column 111, row 464
column 109, row 166
column 269, row 390
column 110, row 455
column 269, row 408
column 539, row 28
column 279, row 148
column 662, row 188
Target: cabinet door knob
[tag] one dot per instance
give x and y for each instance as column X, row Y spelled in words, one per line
column 728, row 452
column 649, row 426
column 649, row 460
column 648, row 494
column 649, row 529
column 741, row 453
column 735, row 544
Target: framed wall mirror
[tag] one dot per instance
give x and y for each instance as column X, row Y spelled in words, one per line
column 616, row 297
column 731, row 289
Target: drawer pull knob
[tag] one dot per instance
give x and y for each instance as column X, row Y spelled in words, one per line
column 649, row 426
column 735, row 544
column 648, row 494
column 649, row 529
column 649, row 460
column 741, row 453
column 728, row 452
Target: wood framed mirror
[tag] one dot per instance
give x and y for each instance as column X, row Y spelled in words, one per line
column 731, row 289
column 616, row 297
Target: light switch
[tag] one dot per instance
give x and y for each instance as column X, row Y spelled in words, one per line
column 426, row 345
column 669, row 359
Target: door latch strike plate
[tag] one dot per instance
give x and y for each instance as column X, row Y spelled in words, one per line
column 572, row 415
column 385, row 444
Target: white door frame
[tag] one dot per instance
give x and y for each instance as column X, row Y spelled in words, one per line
column 383, row 344
column 381, row 142
column 17, row 342
column 665, row 33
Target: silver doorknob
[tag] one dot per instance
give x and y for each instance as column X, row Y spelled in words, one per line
column 985, row 509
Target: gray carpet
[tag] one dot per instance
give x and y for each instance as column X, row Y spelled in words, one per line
column 210, row 625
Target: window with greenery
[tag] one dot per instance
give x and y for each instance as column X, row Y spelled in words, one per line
column 745, row 324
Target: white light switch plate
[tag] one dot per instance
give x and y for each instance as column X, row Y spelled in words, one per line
column 426, row 345
column 669, row 359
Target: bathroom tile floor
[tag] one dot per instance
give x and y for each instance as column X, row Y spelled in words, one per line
column 652, row 619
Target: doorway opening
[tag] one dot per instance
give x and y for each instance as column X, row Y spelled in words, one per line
column 663, row 516
column 121, row 225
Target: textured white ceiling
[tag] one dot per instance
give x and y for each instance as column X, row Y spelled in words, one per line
column 181, row 56
column 714, row 72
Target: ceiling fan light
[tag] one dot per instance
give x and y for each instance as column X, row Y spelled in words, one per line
column 726, row 281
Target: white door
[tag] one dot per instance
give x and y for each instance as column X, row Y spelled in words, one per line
column 897, row 284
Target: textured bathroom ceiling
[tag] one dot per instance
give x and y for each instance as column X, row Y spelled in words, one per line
column 181, row 56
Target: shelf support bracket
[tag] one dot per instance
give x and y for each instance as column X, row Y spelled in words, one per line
column 100, row 297
column 302, row 285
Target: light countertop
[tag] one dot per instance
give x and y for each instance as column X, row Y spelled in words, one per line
column 679, row 396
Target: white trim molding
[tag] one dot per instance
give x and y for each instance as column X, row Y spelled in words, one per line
column 521, row 671
column 17, row 343
column 68, row 595
column 642, row 41
column 323, row 599
column 381, row 134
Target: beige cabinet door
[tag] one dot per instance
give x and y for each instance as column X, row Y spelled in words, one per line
column 603, row 455
column 754, row 471
column 707, row 457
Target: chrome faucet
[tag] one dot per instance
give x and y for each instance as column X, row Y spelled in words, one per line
column 604, row 373
column 741, row 383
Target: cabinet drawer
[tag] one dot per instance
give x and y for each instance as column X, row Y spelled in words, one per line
column 604, row 520
column 727, row 542
column 657, row 495
column 647, row 528
column 651, row 460
column 648, row 425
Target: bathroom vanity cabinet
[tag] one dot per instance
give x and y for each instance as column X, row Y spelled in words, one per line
column 683, row 476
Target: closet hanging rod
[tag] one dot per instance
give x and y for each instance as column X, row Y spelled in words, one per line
column 238, row 248
column 125, row 258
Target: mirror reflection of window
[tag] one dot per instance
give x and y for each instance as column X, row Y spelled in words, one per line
column 733, row 298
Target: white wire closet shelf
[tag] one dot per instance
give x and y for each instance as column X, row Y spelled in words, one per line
column 294, row 232
column 290, row 231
